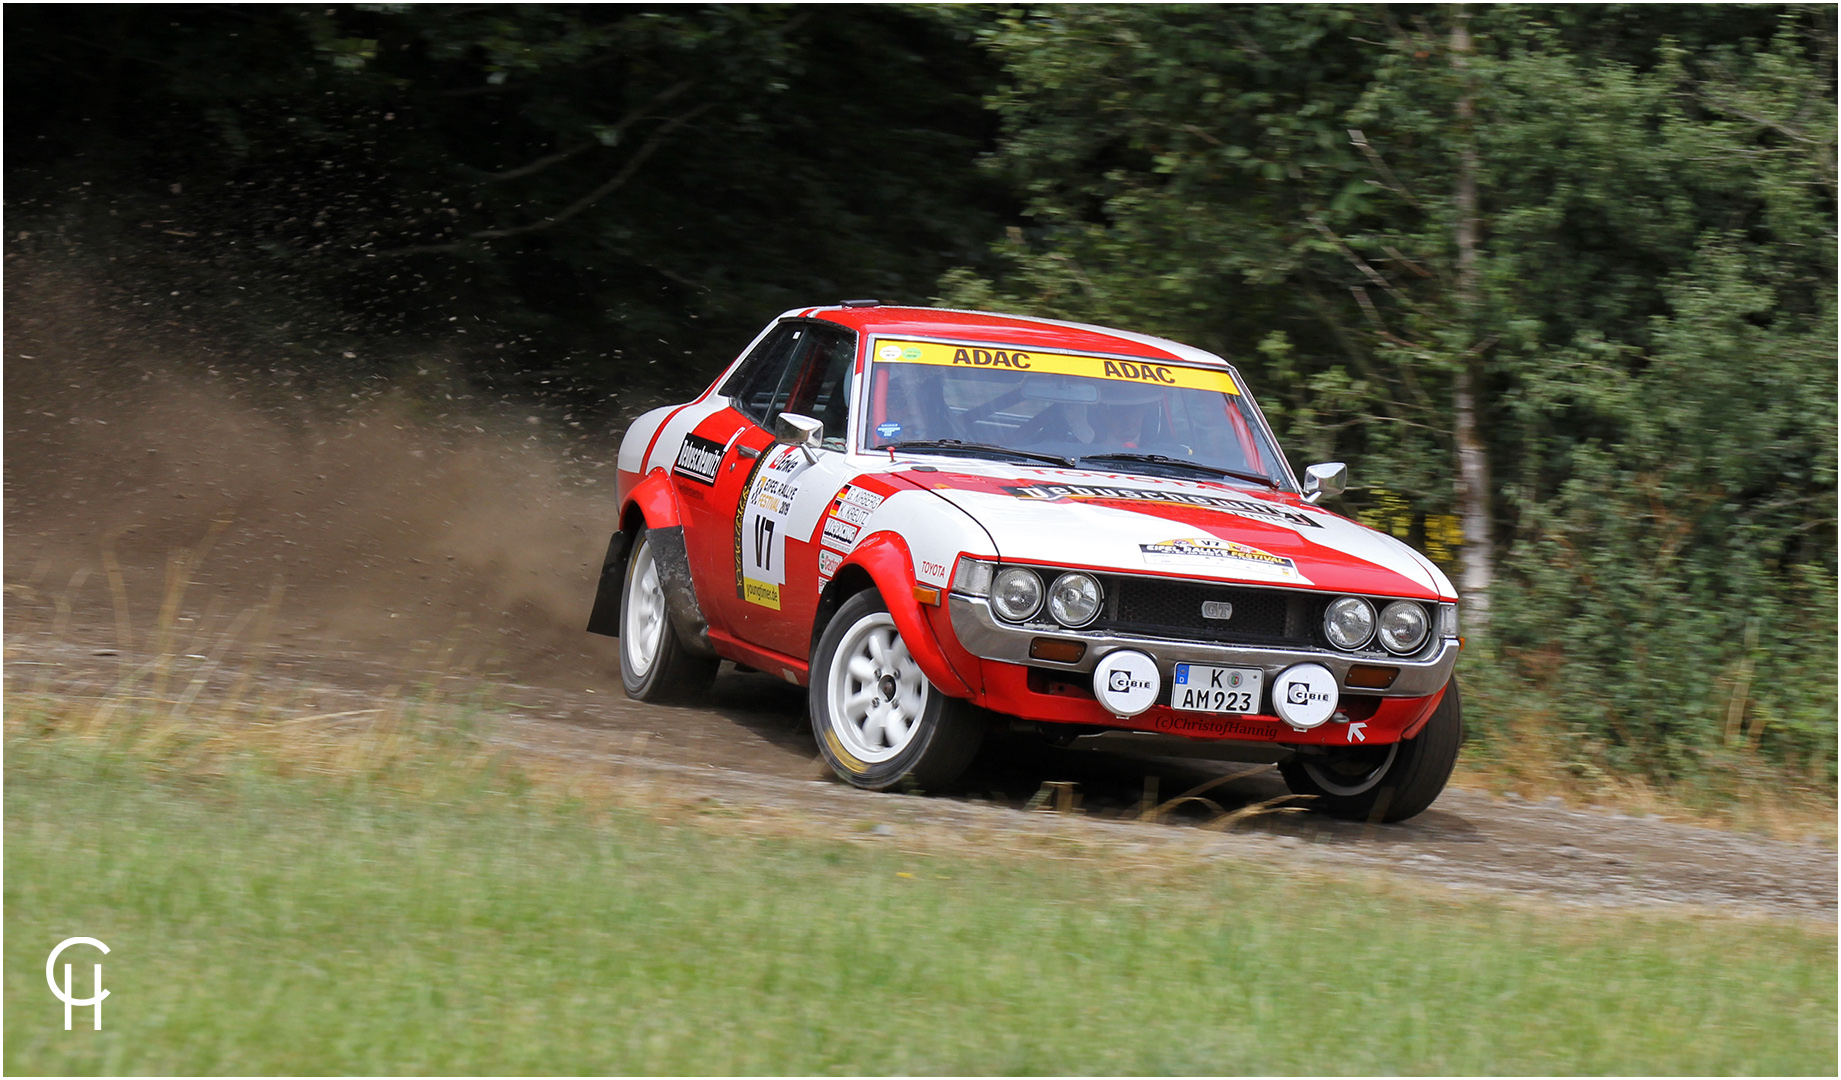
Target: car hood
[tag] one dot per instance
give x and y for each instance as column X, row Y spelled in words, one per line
column 1196, row 529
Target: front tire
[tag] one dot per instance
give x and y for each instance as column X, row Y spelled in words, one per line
column 878, row 721
column 654, row 665
column 1384, row 783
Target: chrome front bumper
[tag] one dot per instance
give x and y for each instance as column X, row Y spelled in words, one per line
column 982, row 635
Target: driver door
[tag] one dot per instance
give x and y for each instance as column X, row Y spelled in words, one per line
column 776, row 507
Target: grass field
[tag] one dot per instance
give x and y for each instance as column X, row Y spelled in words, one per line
column 265, row 923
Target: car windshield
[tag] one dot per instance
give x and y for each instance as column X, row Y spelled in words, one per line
column 1111, row 413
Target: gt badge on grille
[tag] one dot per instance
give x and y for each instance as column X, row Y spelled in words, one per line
column 1217, row 609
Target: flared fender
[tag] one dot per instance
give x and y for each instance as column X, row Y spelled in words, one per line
column 655, row 499
column 1431, row 706
column 885, row 558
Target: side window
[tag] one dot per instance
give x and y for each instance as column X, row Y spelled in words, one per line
column 823, row 389
column 762, row 380
column 801, row 368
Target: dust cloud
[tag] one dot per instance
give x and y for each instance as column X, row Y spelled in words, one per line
column 144, row 461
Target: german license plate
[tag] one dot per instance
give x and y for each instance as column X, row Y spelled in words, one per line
column 1203, row 688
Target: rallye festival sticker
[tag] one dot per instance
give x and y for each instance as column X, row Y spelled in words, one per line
column 1229, row 556
column 1248, row 508
column 760, row 525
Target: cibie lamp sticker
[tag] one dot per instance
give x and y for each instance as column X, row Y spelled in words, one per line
column 1126, row 682
column 1304, row 695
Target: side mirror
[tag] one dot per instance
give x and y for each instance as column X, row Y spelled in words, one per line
column 1329, row 478
column 792, row 429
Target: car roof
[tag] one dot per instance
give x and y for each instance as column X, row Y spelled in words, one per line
column 1006, row 329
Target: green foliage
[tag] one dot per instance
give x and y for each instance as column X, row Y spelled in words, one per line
column 1699, row 538
column 614, row 197
column 621, row 192
column 1655, row 311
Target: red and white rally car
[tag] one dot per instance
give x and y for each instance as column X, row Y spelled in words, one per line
column 918, row 512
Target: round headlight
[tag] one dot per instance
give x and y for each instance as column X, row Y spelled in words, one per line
column 1403, row 626
column 1074, row 599
column 1349, row 622
column 1016, row 594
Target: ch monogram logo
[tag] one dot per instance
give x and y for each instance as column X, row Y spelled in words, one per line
column 63, row 994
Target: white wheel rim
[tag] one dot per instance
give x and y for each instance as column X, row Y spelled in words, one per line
column 875, row 692
column 644, row 617
column 1329, row 783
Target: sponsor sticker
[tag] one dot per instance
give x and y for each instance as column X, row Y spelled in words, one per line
column 764, row 593
column 841, row 535
column 1121, row 369
column 1229, row 555
column 698, row 459
column 1248, row 508
column 888, row 429
column 828, row 562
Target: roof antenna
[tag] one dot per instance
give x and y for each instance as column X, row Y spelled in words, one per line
column 860, row 303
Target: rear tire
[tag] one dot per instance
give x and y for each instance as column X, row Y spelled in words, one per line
column 1384, row 783
column 654, row 664
column 878, row 721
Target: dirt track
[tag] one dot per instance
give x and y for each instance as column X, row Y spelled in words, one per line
column 390, row 544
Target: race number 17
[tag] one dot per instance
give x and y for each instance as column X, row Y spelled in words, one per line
column 763, row 543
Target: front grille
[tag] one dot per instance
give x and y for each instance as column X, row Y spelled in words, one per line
column 1160, row 607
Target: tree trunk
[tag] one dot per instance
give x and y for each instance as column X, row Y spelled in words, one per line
column 1473, row 490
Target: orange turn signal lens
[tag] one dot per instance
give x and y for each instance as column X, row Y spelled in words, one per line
column 1061, row 652
column 1371, row 676
column 930, row 597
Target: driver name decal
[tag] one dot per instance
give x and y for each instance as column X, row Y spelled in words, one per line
column 849, row 511
column 1249, row 508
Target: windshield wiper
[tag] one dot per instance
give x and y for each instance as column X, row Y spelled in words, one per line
column 1165, row 459
column 963, row 447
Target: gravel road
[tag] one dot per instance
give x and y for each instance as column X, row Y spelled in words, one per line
column 377, row 549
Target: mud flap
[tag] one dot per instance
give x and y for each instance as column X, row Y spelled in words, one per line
column 605, row 618
column 673, row 564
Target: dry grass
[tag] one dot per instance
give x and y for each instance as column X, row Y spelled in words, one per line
column 1533, row 758
column 202, row 703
